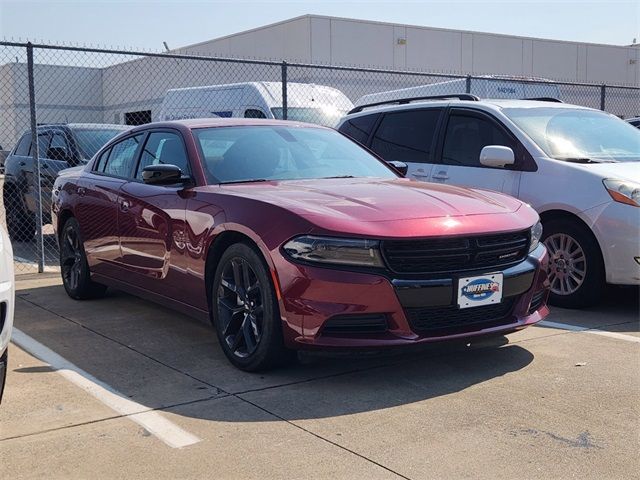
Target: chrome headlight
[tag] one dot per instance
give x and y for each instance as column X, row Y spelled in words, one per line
column 335, row 251
column 536, row 235
column 623, row 191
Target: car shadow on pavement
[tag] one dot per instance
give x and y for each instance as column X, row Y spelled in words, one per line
column 619, row 311
column 165, row 360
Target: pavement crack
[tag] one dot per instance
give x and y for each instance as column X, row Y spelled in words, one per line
column 113, row 417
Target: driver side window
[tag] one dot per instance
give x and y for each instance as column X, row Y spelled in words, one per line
column 164, row 148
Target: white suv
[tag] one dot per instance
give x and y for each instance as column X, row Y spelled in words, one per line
column 578, row 167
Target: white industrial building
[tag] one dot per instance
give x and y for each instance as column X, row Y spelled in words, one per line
column 112, row 92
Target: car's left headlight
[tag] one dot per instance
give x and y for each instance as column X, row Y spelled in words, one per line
column 623, row 191
column 536, row 235
column 335, row 251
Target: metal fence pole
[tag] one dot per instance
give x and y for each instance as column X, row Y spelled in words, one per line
column 603, row 95
column 468, row 88
column 36, row 157
column 284, row 91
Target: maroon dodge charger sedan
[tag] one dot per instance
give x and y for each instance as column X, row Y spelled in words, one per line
column 292, row 236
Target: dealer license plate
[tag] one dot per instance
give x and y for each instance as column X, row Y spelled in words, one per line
column 480, row 290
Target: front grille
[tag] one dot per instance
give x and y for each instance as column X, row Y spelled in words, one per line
column 536, row 301
column 455, row 254
column 347, row 324
column 451, row 319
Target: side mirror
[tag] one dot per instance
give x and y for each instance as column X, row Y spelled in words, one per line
column 399, row 167
column 162, row 175
column 496, row 156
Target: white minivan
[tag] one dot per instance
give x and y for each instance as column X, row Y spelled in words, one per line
column 578, row 167
column 306, row 102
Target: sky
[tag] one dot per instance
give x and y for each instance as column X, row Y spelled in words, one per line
column 146, row 24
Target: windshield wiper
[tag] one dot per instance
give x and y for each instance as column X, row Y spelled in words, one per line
column 249, row 180
column 339, row 176
column 583, row 160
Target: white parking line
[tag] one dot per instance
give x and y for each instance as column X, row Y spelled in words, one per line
column 152, row 421
column 595, row 331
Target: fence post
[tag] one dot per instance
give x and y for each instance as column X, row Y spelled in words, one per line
column 603, row 94
column 468, row 84
column 284, row 90
column 36, row 157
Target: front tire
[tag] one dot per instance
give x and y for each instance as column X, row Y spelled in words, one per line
column 74, row 268
column 245, row 311
column 576, row 268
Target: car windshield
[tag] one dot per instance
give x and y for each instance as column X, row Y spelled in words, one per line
column 91, row 140
column 574, row 134
column 254, row 153
column 327, row 115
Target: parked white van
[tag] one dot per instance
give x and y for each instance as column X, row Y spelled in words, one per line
column 306, row 102
column 487, row 87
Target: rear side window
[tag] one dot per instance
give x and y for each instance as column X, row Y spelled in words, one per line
column 406, row 136
column 100, row 162
column 466, row 136
column 23, row 145
column 254, row 113
column 122, row 158
column 359, row 128
column 43, row 145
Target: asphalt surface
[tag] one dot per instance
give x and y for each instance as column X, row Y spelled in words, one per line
column 122, row 388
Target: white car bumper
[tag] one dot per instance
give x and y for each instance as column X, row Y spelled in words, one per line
column 6, row 290
column 7, row 300
column 617, row 229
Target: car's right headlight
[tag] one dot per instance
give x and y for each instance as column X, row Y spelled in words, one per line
column 335, row 251
column 623, row 191
column 536, row 235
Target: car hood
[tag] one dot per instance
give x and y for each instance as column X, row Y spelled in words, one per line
column 618, row 170
column 390, row 208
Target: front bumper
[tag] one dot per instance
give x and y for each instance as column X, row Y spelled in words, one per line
column 617, row 229
column 312, row 298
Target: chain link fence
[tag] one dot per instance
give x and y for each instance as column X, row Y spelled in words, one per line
column 59, row 105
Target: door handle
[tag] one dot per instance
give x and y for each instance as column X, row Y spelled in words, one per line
column 442, row 175
column 81, row 191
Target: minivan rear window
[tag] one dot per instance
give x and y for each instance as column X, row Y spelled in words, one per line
column 359, row 128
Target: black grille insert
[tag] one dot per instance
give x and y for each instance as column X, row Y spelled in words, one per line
column 536, row 301
column 3, row 314
column 454, row 254
column 347, row 324
column 451, row 319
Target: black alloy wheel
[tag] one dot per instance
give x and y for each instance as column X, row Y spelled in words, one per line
column 73, row 264
column 240, row 307
column 245, row 311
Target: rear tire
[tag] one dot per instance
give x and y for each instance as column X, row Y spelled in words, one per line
column 576, row 268
column 74, row 268
column 245, row 311
column 21, row 224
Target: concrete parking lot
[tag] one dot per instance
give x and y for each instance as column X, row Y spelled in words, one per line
column 122, row 388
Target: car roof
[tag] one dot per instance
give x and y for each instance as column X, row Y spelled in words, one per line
column 223, row 122
column 452, row 102
column 106, row 126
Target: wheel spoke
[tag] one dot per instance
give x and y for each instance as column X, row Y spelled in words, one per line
column 249, row 339
column 229, row 285
column 245, row 276
column 237, row 275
